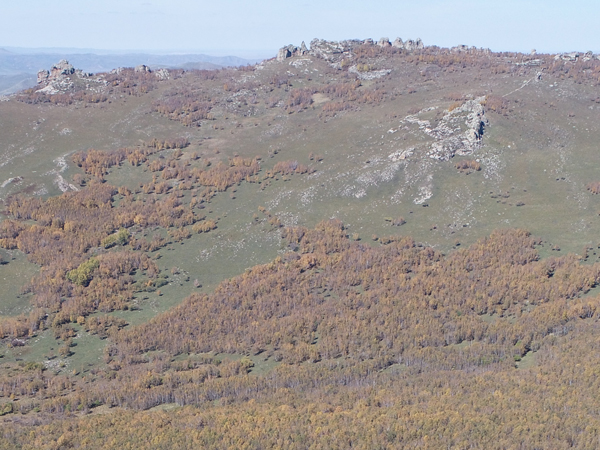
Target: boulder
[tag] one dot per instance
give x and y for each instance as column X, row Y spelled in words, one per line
column 57, row 73
column 291, row 50
column 411, row 45
column 398, row 43
column 283, row 54
column 42, row 76
column 328, row 50
column 142, row 68
column 62, row 68
column 572, row 57
column 459, row 49
column 162, row 74
column 303, row 49
column 384, row 42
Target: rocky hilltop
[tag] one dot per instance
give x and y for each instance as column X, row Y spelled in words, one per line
column 63, row 77
column 59, row 77
column 335, row 50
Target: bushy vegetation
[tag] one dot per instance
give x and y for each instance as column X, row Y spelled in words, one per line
column 362, row 334
column 336, row 343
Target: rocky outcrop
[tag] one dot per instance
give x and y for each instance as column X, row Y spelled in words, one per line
column 588, row 56
column 334, row 51
column 42, row 76
column 384, row 42
column 162, row 74
column 59, row 77
column 570, row 57
column 142, row 68
column 449, row 140
column 411, row 45
column 459, row 132
column 291, row 50
column 463, row 49
column 58, row 71
column 575, row 56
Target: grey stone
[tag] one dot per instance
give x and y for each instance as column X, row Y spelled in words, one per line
column 42, row 76
column 398, row 43
column 384, row 42
column 142, row 68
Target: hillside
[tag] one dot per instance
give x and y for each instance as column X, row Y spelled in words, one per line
column 367, row 244
column 19, row 67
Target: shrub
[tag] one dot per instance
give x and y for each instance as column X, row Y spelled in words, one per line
column 594, row 187
column 121, row 237
column 83, row 274
column 468, row 166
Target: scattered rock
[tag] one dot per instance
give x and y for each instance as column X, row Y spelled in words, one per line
column 12, row 180
column 470, row 50
column 369, row 75
column 401, row 155
column 531, row 62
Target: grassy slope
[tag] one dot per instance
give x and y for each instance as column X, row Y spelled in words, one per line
column 550, row 134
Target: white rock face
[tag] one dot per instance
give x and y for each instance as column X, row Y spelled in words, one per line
column 370, row 75
column 162, row 74
column 449, row 140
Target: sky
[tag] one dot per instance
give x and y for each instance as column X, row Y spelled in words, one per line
column 256, row 29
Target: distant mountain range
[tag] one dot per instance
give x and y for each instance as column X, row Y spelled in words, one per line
column 18, row 70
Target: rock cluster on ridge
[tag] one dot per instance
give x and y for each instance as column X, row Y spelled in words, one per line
column 58, row 78
column 291, row 50
column 333, row 50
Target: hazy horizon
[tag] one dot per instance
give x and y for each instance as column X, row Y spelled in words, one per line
column 246, row 54
column 256, row 30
